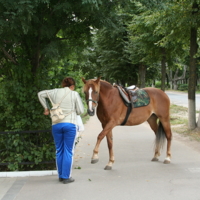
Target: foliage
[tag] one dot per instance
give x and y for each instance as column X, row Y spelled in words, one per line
column 40, row 41
column 44, row 41
column 108, row 56
column 183, row 87
column 24, row 112
column 146, row 32
column 40, row 44
column 31, row 148
column 158, row 85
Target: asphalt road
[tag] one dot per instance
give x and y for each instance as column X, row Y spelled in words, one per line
column 181, row 98
column 133, row 177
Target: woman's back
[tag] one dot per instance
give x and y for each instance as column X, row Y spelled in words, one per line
column 71, row 104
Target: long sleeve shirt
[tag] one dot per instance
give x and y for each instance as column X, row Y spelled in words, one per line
column 71, row 105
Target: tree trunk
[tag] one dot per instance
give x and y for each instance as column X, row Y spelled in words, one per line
column 192, row 78
column 170, row 78
column 198, row 122
column 175, row 85
column 178, row 78
column 142, row 74
column 167, row 77
column 153, row 83
column 163, row 69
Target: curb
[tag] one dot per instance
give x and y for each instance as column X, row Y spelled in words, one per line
column 28, row 173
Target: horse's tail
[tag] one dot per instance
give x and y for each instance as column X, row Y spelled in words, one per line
column 160, row 137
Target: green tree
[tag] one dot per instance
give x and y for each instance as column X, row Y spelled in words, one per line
column 108, row 55
column 35, row 37
column 39, row 44
column 146, row 33
column 176, row 23
column 179, row 23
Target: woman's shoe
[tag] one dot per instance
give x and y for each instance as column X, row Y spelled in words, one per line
column 60, row 179
column 69, row 180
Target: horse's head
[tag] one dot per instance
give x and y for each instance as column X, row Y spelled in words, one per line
column 91, row 90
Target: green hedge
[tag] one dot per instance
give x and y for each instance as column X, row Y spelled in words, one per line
column 182, row 87
column 21, row 110
column 158, row 85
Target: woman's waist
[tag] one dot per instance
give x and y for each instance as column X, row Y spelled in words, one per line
column 69, row 119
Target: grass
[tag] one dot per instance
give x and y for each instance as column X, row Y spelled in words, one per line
column 178, row 115
column 179, row 122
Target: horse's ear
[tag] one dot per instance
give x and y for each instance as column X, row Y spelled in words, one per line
column 84, row 81
column 98, row 79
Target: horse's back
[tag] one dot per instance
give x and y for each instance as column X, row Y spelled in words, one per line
column 159, row 101
column 158, row 94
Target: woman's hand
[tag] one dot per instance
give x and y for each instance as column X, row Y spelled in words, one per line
column 46, row 111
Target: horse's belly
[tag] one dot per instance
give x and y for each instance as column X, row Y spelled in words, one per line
column 138, row 116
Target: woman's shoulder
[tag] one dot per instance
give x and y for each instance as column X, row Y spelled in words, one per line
column 46, row 91
column 75, row 92
column 63, row 89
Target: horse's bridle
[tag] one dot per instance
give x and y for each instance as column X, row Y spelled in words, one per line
column 96, row 102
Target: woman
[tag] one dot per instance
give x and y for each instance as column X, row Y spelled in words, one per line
column 64, row 132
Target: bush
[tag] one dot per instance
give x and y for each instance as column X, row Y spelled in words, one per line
column 24, row 150
column 183, row 87
column 24, row 112
column 198, row 87
column 158, row 84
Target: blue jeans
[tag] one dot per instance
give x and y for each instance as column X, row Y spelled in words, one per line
column 64, row 135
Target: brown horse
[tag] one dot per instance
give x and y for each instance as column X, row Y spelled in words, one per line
column 111, row 111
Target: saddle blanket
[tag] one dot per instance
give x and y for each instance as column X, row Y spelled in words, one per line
column 142, row 98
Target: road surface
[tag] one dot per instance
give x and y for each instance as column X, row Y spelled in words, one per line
column 181, row 99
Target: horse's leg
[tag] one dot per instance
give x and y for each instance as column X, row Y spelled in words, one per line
column 104, row 132
column 110, row 147
column 154, row 126
column 168, row 134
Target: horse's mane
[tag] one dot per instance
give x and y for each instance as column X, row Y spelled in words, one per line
column 103, row 82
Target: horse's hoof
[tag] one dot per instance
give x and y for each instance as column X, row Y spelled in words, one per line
column 154, row 159
column 93, row 161
column 108, row 167
column 166, row 162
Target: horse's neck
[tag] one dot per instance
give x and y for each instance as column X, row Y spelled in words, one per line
column 105, row 87
column 105, row 90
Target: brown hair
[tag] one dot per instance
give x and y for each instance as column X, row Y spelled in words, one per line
column 68, row 81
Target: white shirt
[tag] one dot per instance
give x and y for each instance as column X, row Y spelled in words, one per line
column 72, row 103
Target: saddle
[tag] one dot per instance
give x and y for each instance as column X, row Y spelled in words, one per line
column 132, row 97
column 128, row 94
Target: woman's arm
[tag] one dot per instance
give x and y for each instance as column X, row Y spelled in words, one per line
column 42, row 95
column 79, row 105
